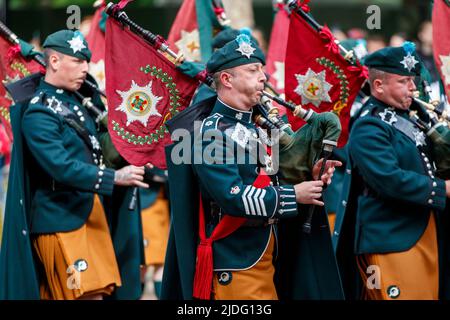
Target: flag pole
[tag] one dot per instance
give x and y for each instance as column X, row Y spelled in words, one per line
column 220, row 13
column 14, row 39
column 156, row 41
column 6, row 33
column 293, row 5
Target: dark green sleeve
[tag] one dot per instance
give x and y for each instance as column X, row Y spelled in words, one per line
column 373, row 154
column 43, row 132
column 226, row 187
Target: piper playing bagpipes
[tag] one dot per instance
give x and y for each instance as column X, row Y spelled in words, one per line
column 240, row 200
column 61, row 193
column 389, row 213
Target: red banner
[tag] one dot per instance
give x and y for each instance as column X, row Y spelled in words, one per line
column 317, row 75
column 13, row 67
column 277, row 51
column 144, row 90
column 5, row 144
column 184, row 34
column 96, row 42
column 441, row 41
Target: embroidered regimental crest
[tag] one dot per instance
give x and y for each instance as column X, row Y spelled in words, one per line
column 245, row 45
column 388, row 116
column 313, row 87
column 189, row 45
column 139, row 103
column 76, row 43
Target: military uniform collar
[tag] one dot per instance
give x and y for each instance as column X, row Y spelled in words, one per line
column 239, row 115
column 380, row 104
column 58, row 92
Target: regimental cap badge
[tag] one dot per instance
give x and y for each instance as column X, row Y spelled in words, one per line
column 69, row 42
column 245, row 45
column 240, row 51
column 76, row 43
column 409, row 61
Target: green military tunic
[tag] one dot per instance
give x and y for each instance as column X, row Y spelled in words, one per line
column 55, row 175
column 222, row 166
column 226, row 183
column 305, row 266
column 65, row 167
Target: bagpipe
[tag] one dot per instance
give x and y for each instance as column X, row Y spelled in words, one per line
column 115, row 11
column 299, row 151
column 433, row 120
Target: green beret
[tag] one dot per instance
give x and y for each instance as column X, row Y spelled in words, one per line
column 403, row 60
column 228, row 34
column 359, row 47
column 235, row 53
column 69, row 42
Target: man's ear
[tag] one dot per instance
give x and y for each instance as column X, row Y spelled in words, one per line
column 225, row 79
column 54, row 62
column 377, row 86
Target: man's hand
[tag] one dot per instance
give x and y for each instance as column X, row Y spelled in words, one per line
column 308, row 192
column 328, row 172
column 130, row 176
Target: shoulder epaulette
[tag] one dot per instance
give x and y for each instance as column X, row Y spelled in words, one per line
column 211, row 122
column 38, row 98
